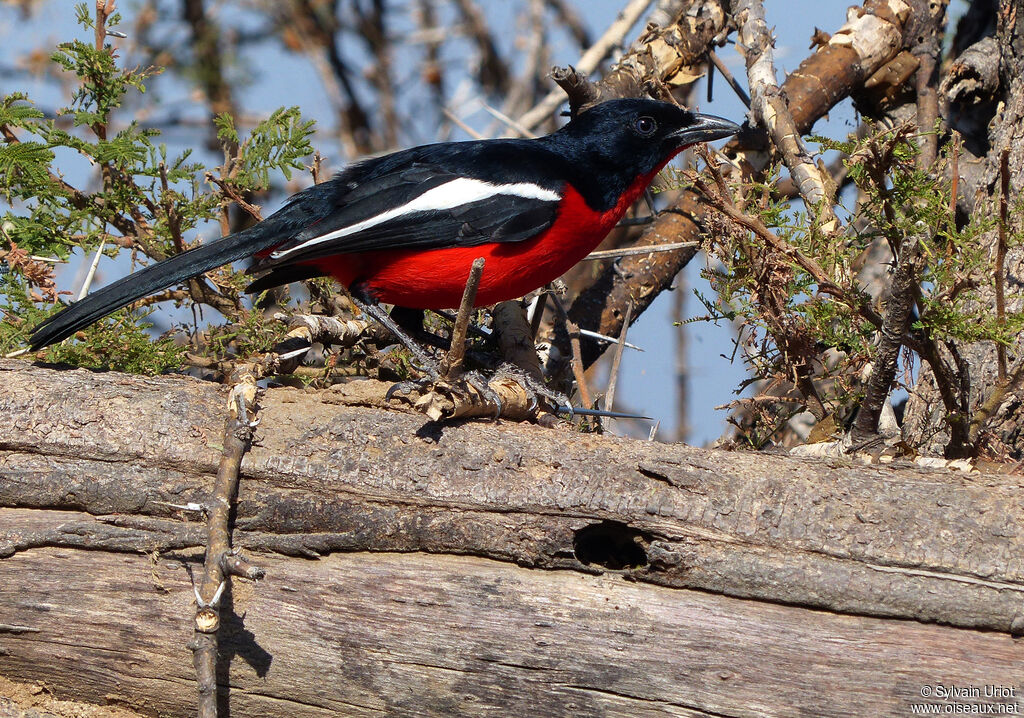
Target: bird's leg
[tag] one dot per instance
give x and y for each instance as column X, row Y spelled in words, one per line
column 369, row 306
column 411, row 320
column 473, row 329
column 451, row 367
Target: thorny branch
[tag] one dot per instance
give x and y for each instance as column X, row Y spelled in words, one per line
column 772, row 270
column 219, row 562
column 904, row 287
column 869, row 39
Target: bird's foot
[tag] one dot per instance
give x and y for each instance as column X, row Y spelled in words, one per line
column 535, row 389
column 476, row 380
column 508, row 393
column 431, row 376
column 468, row 394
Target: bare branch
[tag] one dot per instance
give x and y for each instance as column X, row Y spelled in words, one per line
column 772, row 112
column 238, row 432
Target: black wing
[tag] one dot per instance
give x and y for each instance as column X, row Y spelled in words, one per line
column 499, row 218
column 462, row 194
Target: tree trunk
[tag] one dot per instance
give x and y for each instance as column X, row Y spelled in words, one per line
column 403, row 559
column 975, row 95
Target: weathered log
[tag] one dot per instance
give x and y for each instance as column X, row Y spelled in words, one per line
column 401, row 561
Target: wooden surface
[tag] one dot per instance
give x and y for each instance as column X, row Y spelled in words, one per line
column 403, row 557
column 417, row 635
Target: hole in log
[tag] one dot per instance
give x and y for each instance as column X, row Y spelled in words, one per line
column 611, row 544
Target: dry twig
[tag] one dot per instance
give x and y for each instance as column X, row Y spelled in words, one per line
column 609, row 401
column 220, row 563
column 590, row 60
column 451, row 367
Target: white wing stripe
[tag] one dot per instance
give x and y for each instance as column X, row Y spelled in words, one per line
column 447, row 196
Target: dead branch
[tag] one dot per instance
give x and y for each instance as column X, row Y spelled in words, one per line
column 493, row 72
column 205, row 38
column 452, row 365
column 308, row 29
column 372, row 26
column 772, row 113
column 903, row 290
column 589, row 62
column 871, row 36
column 515, row 339
column 218, row 564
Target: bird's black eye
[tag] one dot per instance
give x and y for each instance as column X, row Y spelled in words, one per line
column 645, row 125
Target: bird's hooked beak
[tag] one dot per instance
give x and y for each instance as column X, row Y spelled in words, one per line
column 705, row 129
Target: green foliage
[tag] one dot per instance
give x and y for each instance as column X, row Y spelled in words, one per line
column 903, row 200
column 254, row 333
column 119, row 341
column 279, row 143
column 148, row 200
column 791, row 317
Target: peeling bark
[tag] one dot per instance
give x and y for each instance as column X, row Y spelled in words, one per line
column 872, row 35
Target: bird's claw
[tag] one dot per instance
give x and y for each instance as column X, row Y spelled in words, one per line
column 407, row 387
column 476, row 380
column 534, row 388
column 432, row 380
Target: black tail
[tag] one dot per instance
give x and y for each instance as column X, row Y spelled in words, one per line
column 152, row 279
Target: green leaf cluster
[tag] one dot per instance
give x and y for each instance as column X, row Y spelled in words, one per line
column 146, row 199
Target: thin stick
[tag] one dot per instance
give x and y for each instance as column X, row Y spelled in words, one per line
column 577, row 362
column 452, row 365
column 461, row 125
column 605, row 338
column 646, row 249
column 254, row 210
column 92, row 270
column 567, row 16
column 578, row 371
column 1004, row 209
column 711, row 84
column 617, row 358
column 502, row 117
column 728, row 76
column 538, row 313
column 316, row 169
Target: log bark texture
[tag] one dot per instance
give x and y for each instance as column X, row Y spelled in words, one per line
column 402, row 563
